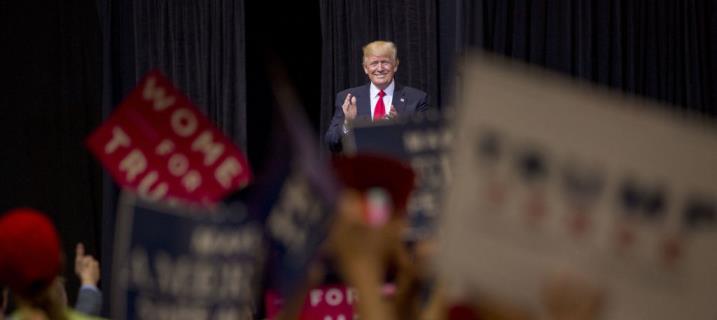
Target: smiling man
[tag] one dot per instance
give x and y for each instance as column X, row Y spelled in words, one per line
column 382, row 98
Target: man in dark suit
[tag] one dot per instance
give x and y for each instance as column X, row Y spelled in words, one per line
column 380, row 99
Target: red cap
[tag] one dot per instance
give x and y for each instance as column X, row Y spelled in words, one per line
column 29, row 250
column 365, row 171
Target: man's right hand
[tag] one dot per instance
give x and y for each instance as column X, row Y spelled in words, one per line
column 349, row 108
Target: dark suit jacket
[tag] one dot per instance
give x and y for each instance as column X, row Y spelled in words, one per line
column 406, row 100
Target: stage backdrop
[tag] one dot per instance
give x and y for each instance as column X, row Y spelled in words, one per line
column 660, row 49
column 50, row 101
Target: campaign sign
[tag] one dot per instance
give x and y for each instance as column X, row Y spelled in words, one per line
column 556, row 179
column 327, row 302
column 158, row 144
column 421, row 141
column 297, row 197
column 185, row 264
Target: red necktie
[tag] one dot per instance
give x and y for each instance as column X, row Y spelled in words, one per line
column 380, row 111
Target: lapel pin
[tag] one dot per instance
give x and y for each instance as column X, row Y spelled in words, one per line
column 402, row 99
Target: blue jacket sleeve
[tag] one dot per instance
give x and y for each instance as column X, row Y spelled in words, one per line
column 89, row 301
column 335, row 132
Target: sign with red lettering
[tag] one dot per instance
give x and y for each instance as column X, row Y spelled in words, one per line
column 160, row 145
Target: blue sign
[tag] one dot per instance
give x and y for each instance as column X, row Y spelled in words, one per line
column 173, row 263
column 296, row 199
column 421, row 141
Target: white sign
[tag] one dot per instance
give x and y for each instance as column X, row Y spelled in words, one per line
column 554, row 176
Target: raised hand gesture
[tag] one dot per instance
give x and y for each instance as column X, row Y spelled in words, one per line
column 349, row 108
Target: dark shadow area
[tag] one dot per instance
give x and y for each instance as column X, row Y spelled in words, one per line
column 50, row 102
column 290, row 31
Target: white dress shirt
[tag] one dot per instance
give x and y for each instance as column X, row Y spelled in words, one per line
column 387, row 99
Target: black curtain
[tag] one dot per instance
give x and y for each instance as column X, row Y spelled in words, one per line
column 347, row 25
column 289, row 33
column 199, row 45
column 50, row 102
column 666, row 50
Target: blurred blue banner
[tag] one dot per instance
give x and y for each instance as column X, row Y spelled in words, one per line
column 183, row 263
column 296, row 196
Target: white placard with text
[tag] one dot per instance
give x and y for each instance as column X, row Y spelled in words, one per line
column 553, row 176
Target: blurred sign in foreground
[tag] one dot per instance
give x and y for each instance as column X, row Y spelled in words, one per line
column 326, row 302
column 158, row 144
column 422, row 142
column 183, row 264
column 556, row 178
column 297, row 196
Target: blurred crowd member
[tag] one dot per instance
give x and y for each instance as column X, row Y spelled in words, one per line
column 367, row 236
column 89, row 299
column 365, row 243
column 364, row 253
column 30, row 265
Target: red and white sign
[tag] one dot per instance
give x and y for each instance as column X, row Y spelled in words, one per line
column 160, row 145
column 328, row 302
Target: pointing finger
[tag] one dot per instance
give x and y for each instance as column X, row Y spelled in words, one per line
column 79, row 250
